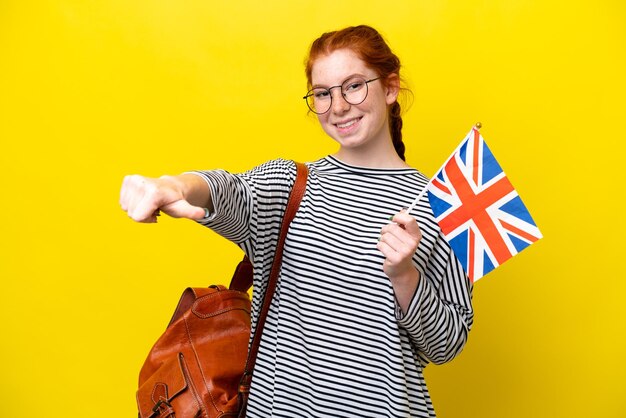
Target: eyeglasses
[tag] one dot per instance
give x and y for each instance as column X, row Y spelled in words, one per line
column 353, row 91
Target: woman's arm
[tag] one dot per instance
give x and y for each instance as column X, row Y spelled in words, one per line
column 438, row 318
column 398, row 242
column 182, row 196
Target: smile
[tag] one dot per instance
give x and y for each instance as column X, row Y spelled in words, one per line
column 347, row 124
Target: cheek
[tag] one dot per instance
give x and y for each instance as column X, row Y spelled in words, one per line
column 377, row 110
column 323, row 121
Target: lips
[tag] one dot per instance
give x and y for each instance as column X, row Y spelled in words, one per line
column 348, row 125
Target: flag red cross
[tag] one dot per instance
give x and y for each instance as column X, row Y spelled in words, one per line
column 474, row 207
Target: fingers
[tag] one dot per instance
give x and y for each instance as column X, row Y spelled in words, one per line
column 392, row 255
column 403, row 230
column 143, row 204
column 398, row 242
column 127, row 184
column 395, row 238
column 139, row 197
column 408, row 223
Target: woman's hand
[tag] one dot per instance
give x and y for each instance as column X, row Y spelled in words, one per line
column 143, row 198
column 398, row 242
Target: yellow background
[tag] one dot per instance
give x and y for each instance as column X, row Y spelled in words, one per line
column 93, row 90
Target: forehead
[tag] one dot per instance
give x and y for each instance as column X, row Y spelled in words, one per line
column 335, row 67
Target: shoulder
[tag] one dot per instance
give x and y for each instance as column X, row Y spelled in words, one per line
column 277, row 169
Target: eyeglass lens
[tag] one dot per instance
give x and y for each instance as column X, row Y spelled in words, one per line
column 353, row 90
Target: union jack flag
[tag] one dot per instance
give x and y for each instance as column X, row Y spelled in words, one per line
column 479, row 212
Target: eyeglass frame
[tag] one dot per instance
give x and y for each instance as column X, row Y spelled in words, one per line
column 343, row 95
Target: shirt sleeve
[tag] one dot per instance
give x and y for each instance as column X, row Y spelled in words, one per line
column 440, row 314
column 248, row 207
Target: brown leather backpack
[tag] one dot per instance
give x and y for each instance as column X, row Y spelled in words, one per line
column 201, row 366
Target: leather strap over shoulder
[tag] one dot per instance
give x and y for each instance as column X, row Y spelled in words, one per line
column 297, row 192
column 242, row 278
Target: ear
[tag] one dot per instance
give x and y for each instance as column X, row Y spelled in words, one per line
column 393, row 88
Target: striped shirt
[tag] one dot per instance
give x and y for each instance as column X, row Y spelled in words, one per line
column 336, row 342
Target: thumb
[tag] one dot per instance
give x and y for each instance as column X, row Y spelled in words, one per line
column 182, row 209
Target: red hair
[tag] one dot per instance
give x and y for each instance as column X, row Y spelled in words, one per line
column 370, row 46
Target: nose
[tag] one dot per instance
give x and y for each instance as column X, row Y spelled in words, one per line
column 339, row 104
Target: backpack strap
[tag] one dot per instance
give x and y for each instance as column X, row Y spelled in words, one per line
column 293, row 204
column 242, row 277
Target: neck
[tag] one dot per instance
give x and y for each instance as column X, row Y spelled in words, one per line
column 387, row 157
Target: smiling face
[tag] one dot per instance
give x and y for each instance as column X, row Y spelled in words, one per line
column 359, row 129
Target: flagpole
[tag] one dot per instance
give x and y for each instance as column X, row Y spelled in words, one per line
column 417, row 199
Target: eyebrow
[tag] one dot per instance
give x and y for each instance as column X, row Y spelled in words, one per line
column 315, row 86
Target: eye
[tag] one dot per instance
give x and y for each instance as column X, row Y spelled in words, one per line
column 353, row 85
column 321, row 94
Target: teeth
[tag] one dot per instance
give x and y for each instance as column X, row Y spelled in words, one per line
column 347, row 124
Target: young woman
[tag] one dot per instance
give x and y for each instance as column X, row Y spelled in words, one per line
column 362, row 304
